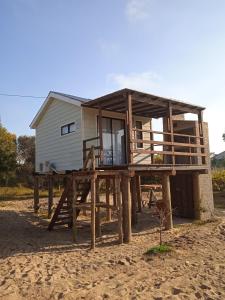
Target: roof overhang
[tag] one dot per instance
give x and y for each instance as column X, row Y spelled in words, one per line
column 143, row 104
column 51, row 96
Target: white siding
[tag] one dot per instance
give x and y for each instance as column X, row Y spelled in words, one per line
column 90, row 129
column 65, row 152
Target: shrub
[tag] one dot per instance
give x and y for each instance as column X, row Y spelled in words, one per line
column 218, row 180
column 159, row 249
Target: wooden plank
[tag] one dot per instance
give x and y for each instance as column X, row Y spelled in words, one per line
column 36, row 194
column 100, row 134
column 167, row 153
column 98, row 219
column 50, row 195
column 119, row 209
column 127, row 210
column 74, row 210
column 167, row 201
column 93, row 201
column 170, row 119
column 138, row 187
column 133, row 201
column 108, row 210
column 161, row 143
column 129, row 127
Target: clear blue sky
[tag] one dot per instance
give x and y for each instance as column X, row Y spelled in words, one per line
column 172, row 48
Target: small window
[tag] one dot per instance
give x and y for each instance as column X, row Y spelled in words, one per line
column 68, row 128
column 139, row 134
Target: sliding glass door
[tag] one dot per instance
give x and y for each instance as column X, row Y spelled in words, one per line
column 113, row 135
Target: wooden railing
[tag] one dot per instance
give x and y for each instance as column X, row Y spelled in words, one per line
column 175, row 148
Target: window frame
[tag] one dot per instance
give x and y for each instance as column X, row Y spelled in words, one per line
column 68, row 126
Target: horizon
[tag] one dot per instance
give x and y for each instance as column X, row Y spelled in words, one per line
column 173, row 50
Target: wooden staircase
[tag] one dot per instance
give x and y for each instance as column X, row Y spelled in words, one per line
column 63, row 212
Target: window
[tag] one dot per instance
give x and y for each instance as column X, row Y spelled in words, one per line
column 68, row 128
column 139, row 134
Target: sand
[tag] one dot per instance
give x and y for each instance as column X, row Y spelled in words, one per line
column 37, row 264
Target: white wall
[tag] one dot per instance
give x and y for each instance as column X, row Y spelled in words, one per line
column 65, row 152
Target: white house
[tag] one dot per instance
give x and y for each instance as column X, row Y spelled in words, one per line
column 62, row 124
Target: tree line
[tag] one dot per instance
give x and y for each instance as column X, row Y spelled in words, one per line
column 17, row 159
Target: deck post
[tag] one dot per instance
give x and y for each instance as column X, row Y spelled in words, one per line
column 133, row 201
column 167, row 201
column 197, row 195
column 108, row 210
column 114, row 192
column 50, row 195
column 36, row 194
column 127, row 209
column 138, row 187
column 98, row 217
column 93, row 201
column 100, row 134
column 129, row 128
column 74, row 219
column 119, row 209
column 151, row 145
column 201, row 135
column 171, row 131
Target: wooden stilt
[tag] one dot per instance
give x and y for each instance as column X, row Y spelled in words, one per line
column 167, row 201
column 74, row 210
column 93, row 201
column 50, row 195
column 133, row 201
column 197, row 196
column 138, row 187
column 114, row 193
column 119, row 209
column 108, row 210
column 122, row 188
column 98, row 218
column 36, row 194
column 127, row 210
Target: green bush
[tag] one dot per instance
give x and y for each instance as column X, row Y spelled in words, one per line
column 159, row 249
column 218, row 180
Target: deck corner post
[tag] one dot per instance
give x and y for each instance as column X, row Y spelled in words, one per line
column 119, row 209
column 134, row 217
column 138, row 187
column 108, row 209
column 129, row 128
column 167, row 201
column 36, row 194
column 98, row 216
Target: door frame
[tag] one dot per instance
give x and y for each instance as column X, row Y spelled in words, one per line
column 125, row 138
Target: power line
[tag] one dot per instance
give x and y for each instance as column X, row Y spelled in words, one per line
column 21, row 96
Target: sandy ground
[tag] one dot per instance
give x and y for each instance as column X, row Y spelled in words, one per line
column 37, row 264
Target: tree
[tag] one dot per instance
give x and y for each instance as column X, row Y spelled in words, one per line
column 224, row 137
column 7, row 155
column 25, row 158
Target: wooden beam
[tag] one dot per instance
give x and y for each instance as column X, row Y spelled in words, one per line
column 36, row 194
column 50, row 196
column 127, row 209
column 93, row 201
column 100, row 134
column 197, row 195
column 74, row 184
column 133, row 201
column 108, row 210
column 98, row 218
column 119, row 209
column 139, row 196
column 170, row 119
column 129, row 127
column 167, row 201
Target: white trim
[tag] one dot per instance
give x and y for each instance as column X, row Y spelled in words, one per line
column 50, row 97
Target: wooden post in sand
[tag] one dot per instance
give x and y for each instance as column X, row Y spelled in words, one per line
column 50, row 195
column 74, row 207
column 197, row 196
column 98, row 217
column 133, row 201
column 36, row 194
column 167, row 201
column 108, row 210
column 93, row 201
column 119, row 209
column 138, row 187
column 127, row 208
